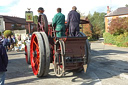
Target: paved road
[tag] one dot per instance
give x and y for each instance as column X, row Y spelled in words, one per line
column 108, row 66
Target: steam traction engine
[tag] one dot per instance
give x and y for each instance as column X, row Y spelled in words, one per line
column 66, row 53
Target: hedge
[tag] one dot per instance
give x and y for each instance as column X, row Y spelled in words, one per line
column 119, row 40
column 7, row 33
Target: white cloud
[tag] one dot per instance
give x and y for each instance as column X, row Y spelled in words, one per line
column 5, row 2
column 50, row 6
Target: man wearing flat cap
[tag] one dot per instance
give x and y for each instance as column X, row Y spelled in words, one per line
column 42, row 21
column 73, row 22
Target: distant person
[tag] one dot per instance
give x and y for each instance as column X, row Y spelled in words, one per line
column 3, row 63
column 27, row 38
column 59, row 23
column 42, row 21
column 19, row 38
column 0, row 36
column 12, row 41
column 9, row 42
column 5, row 43
column 13, row 38
column 73, row 22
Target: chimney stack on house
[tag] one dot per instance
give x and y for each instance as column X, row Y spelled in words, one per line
column 108, row 10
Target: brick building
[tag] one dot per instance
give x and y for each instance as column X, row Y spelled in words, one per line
column 13, row 23
column 120, row 12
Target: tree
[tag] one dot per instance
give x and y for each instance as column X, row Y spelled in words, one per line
column 82, row 15
column 118, row 26
column 7, row 33
column 97, row 21
column 86, row 28
column 36, row 19
column 126, row 5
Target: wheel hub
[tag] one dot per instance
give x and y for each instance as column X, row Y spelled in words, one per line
column 25, row 53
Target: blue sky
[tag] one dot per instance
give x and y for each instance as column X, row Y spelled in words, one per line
column 5, row 5
column 18, row 7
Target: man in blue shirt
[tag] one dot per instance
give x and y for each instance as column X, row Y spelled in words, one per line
column 73, row 22
column 3, row 62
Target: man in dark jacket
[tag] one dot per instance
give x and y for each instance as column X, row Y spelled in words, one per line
column 3, row 63
column 73, row 22
column 42, row 21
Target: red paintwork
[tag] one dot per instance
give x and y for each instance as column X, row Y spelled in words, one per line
column 35, row 61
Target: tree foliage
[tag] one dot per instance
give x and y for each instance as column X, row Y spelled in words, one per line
column 126, row 5
column 97, row 21
column 36, row 19
column 82, row 15
column 7, row 33
column 118, row 26
column 85, row 28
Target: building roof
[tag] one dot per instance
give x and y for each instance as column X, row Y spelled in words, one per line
column 119, row 11
column 10, row 19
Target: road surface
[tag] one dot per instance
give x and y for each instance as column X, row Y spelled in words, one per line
column 108, row 66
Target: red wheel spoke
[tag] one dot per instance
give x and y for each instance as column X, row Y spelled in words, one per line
column 36, row 44
column 33, row 64
column 37, row 49
column 38, row 55
column 37, row 60
column 37, row 63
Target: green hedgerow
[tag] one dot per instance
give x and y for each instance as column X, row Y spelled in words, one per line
column 108, row 38
column 119, row 40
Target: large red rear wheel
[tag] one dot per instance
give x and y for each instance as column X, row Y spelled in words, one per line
column 39, row 55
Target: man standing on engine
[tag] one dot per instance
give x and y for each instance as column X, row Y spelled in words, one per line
column 42, row 21
column 73, row 22
column 59, row 23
